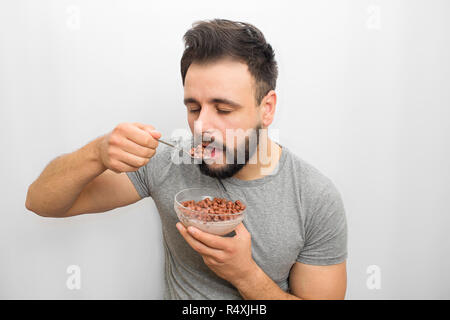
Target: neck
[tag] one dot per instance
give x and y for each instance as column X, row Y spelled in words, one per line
column 258, row 168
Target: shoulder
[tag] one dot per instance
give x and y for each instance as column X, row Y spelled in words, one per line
column 314, row 186
column 323, row 210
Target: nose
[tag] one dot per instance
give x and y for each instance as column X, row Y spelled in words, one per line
column 205, row 122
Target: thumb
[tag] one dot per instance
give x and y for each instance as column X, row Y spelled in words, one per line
column 153, row 132
column 240, row 229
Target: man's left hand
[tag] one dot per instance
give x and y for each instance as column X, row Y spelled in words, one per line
column 229, row 257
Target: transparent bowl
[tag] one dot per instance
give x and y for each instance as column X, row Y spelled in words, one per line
column 189, row 217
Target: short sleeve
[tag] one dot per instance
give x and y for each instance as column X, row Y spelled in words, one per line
column 140, row 180
column 148, row 177
column 325, row 228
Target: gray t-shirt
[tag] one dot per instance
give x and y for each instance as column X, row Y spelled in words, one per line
column 294, row 215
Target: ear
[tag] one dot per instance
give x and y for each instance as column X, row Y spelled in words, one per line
column 268, row 106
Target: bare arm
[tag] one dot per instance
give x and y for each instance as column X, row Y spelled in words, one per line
column 319, row 282
column 62, row 181
column 92, row 179
column 108, row 191
column 307, row 282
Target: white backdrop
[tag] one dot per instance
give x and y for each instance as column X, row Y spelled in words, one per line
column 363, row 96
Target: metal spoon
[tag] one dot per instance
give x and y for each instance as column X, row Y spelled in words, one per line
column 180, row 149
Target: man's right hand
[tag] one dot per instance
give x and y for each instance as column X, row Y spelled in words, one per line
column 128, row 147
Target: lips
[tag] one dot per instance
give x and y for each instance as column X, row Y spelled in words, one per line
column 215, row 149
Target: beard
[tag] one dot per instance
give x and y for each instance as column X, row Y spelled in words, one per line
column 228, row 170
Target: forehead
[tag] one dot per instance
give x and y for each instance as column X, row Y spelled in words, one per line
column 224, row 77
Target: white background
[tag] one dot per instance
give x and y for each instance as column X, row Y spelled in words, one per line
column 363, row 96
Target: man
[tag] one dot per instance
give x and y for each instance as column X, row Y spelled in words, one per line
column 293, row 241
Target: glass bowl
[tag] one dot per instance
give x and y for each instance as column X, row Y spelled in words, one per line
column 215, row 223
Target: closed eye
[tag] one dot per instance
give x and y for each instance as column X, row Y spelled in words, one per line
column 218, row 111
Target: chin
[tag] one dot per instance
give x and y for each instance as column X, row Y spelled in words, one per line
column 215, row 167
column 216, row 163
column 220, row 170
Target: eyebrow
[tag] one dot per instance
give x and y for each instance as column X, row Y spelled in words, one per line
column 215, row 100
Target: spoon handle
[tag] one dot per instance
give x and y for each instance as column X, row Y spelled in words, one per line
column 178, row 148
column 169, row 144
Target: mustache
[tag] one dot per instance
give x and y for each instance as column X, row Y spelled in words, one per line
column 222, row 146
column 213, row 143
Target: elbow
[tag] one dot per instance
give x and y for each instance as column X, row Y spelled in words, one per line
column 29, row 202
column 39, row 212
column 32, row 209
column 30, row 205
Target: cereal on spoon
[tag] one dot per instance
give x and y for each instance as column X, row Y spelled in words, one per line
column 200, row 152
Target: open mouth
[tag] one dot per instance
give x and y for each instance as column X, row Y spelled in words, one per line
column 211, row 150
column 201, row 151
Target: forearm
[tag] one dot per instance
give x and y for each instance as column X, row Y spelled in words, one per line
column 258, row 286
column 57, row 188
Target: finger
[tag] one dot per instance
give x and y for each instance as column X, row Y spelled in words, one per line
column 241, row 230
column 140, row 137
column 118, row 167
column 136, row 149
column 144, row 126
column 197, row 245
column 210, row 240
column 131, row 159
column 149, row 128
column 155, row 134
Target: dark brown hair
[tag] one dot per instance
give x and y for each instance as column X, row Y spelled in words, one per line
column 212, row 40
